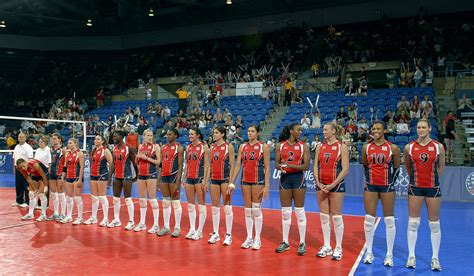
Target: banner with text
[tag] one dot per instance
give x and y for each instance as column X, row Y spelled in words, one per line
column 248, row 88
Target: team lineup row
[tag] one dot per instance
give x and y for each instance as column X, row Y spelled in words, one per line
column 217, row 166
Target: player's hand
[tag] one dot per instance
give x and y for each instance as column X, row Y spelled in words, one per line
column 45, row 189
column 79, row 184
column 230, row 188
column 142, row 156
column 205, row 188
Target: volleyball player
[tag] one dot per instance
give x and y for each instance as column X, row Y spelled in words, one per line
column 56, row 183
column 424, row 161
column 331, row 165
column 148, row 161
column 196, row 173
column 73, row 171
column 255, row 182
column 100, row 177
column 124, row 157
column 381, row 161
column 172, row 155
column 222, row 164
column 292, row 158
column 35, row 173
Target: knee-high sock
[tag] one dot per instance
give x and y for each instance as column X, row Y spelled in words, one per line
column 192, row 216
column 130, row 208
column 95, row 205
column 166, row 212
column 70, row 206
column 62, row 201
column 229, row 218
column 286, row 222
column 301, row 217
column 435, row 237
column 80, row 206
column 202, row 216
column 156, row 211
column 390, row 233
column 338, row 229
column 413, row 224
column 369, row 225
column 216, row 218
column 258, row 219
column 326, row 228
column 178, row 212
column 143, row 206
column 55, row 199
column 32, row 204
column 248, row 222
column 105, row 206
column 44, row 203
column 117, row 208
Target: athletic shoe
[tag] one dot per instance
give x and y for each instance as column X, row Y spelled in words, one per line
column 66, row 220
column 91, row 220
column 337, row 254
column 27, row 217
column 153, row 229
column 176, row 233
column 60, row 217
column 197, row 235
column 257, row 244
column 139, row 227
column 411, row 263
column 114, row 223
column 324, row 251
column 24, row 205
column 52, row 217
column 247, row 243
column 78, row 221
column 163, row 232
column 388, row 261
column 282, row 247
column 41, row 218
column 214, row 238
column 130, row 226
column 104, row 223
column 228, row 239
column 435, row 266
column 190, row 234
column 301, row 249
column 369, row 258
column 16, row 204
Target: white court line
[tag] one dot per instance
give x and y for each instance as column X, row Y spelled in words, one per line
column 357, row 261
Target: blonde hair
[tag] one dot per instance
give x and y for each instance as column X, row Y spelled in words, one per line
column 75, row 141
column 425, row 121
column 338, row 128
column 148, row 130
column 45, row 139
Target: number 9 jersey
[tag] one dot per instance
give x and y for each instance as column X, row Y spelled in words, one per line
column 424, row 164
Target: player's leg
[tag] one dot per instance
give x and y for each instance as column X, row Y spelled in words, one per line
column 177, row 208
column 388, row 205
column 32, row 190
column 286, row 199
column 78, row 200
column 69, row 187
column 216, row 212
column 433, row 205
column 102, row 193
column 166, row 205
column 191, row 198
column 117, row 187
column 414, row 206
column 201, row 196
column 53, row 190
column 141, row 226
column 336, row 200
column 324, row 216
column 127, row 193
column 371, row 199
column 299, row 195
column 229, row 214
column 62, row 198
column 257, row 214
column 44, row 199
column 247, row 195
column 95, row 203
column 151, row 190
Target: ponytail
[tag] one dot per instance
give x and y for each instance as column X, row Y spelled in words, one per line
column 286, row 132
column 338, row 128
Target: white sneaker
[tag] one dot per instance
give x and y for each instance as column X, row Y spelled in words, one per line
column 227, row 240
column 197, row 235
column 324, row 251
column 78, row 221
column 66, row 220
column 130, row 226
column 41, row 218
column 257, row 244
column 337, row 254
column 60, row 217
column 16, row 204
column 176, row 233
column 435, row 265
column 388, row 261
column 139, row 227
column 247, row 243
column 411, row 263
column 27, row 217
column 153, row 229
column 104, row 223
column 214, row 238
column 190, row 234
column 52, row 217
column 163, row 232
column 369, row 258
column 91, row 220
column 24, row 205
column 114, row 223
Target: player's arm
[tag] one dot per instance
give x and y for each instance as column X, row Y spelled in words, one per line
column 64, row 172
column 81, row 169
column 306, row 160
column 396, row 161
column 231, row 159
column 40, row 171
column 316, row 167
column 185, row 169
column 266, row 162
column 110, row 160
column 180, row 165
column 277, row 157
column 365, row 159
column 133, row 158
column 345, row 167
column 406, row 159
column 442, row 161
column 238, row 165
column 26, row 176
column 207, row 167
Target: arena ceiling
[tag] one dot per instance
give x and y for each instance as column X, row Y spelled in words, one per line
column 114, row 17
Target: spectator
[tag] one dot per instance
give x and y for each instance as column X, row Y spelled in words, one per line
column 182, row 99
column 316, row 120
column 150, row 110
column 414, row 112
column 402, row 127
column 202, row 122
column 208, row 117
column 360, row 136
column 363, row 124
column 22, row 151
column 352, row 112
column 305, row 122
column 238, row 122
column 349, row 86
column 427, row 106
column 43, row 153
column 418, row 77
column 450, row 128
column 271, row 143
column 341, row 116
column 403, row 116
column 297, row 97
column 132, row 140
column 166, row 113
column 315, row 69
column 429, row 77
column 227, row 114
column 351, row 127
column 391, row 128
column 464, row 105
column 100, row 97
column 354, row 154
column 10, row 141
column 288, row 90
column 403, row 104
column 142, row 126
column 387, row 117
column 347, row 138
column 314, row 144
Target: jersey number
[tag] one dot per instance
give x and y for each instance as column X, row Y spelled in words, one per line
column 119, row 157
column 216, row 156
column 291, row 157
column 327, row 156
column 424, row 158
column 252, row 156
column 378, row 159
column 166, row 156
column 193, row 156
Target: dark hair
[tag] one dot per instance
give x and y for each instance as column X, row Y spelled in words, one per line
column 103, row 141
column 257, row 128
column 19, row 161
column 175, row 131
column 59, row 137
column 379, row 123
column 222, row 129
column 120, row 133
column 285, row 133
column 198, row 132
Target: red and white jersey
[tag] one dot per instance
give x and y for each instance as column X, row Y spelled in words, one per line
column 292, row 154
column 220, row 164
column 31, row 171
column 195, row 161
column 253, row 163
column 169, row 159
column 424, row 164
column 99, row 162
column 146, row 168
column 329, row 162
column 72, row 164
column 122, row 162
column 380, row 171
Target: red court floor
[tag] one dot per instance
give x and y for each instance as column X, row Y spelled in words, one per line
column 49, row 247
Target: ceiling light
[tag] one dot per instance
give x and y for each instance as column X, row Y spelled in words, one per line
column 3, row 24
column 151, row 12
column 89, row 23
column 229, row 2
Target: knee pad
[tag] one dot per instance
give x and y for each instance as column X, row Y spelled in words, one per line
column 69, row 200
column 191, row 208
column 435, row 227
column 78, row 200
column 31, row 194
column 248, row 212
column 95, row 199
column 389, row 222
column 55, row 196
column 300, row 214
column 286, row 213
column 337, row 220
column 413, row 224
column 176, row 204
column 166, row 202
column 103, row 199
column 228, row 210
column 116, row 200
column 129, row 201
column 42, row 197
column 369, row 223
column 324, row 218
column 154, row 203
column 256, row 210
column 202, row 208
column 215, row 210
column 142, row 202
column 62, row 196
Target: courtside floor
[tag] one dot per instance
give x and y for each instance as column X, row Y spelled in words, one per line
column 47, row 247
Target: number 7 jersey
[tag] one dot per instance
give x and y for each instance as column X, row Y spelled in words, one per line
column 329, row 162
column 424, row 164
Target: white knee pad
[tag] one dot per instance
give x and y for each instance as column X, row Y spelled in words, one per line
column 248, row 212
column 166, row 202
column 389, row 222
column 154, row 203
column 202, row 208
column 228, row 210
column 215, row 210
column 176, row 204
column 142, row 202
column 286, row 213
column 256, row 210
column 103, row 199
column 337, row 220
column 43, row 198
column 117, row 200
column 78, row 199
column 324, row 218
column 191, row 208
column 62, row 196
column 31, row 194
column 413, row 224
column 95, row 199
column 55, row 196
column 129, row 201
column 300, row 214
column 435, row 227
column 369, row 223
column 69, row 200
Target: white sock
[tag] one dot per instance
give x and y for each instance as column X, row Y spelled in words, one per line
column 95, row 205
column 192, row 216
column 80, row 206
column 390, row 231
column 413, row 224
column 105, row 206
column 286, row 222
column 178, row 211
column 258, row 219
column 143, row 206
column 131, row 208
column 338, row 229
column 156, row 211
column 32, row 204
column 229, row 218
column 62, row 201
column 44, row 203
column 435, row 228
column 55, row 199
column 216, row 218
column 202, row 216
column 166, row 212
column 369, row 225
column 70, row 206
column 117, row 208
column 301, row 217
column 248, row 222
column 326, row 228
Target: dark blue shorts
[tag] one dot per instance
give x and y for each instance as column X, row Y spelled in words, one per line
column 54, row 176
column 425, row 192
column 170, row 179
column 104, row 177
column 340, row 188
column 71, row 180
column 125, row 178
column 194, row 181
column 290, row 181
column 36, row 178
column 150, row 176
column 219, row 182
column 379, row 188
column 252, row 184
